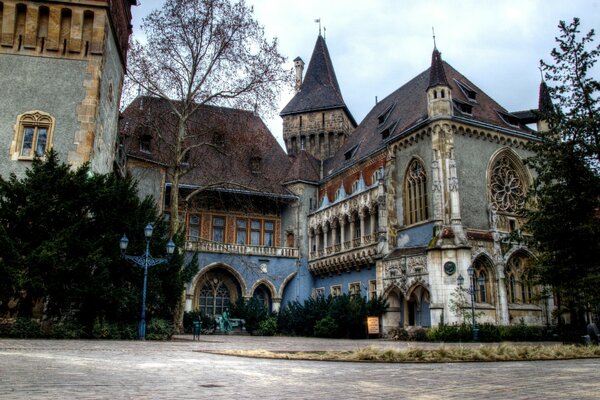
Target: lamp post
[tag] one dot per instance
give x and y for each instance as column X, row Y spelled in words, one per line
column 145, row 261
column 471, row 290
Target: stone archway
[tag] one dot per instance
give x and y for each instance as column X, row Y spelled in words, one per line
column 417, row 307
column 215, row 290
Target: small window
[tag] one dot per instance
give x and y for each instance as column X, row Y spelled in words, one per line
column 350, row 153
column 355, row 186
column 319, row 292
column 384, row 115
column 372, row 289
column 255, row 232
column 146, row 143
column 218, row 229
column 194, row 228
column 354, row 289
column 336, row 290
column 33, row 137
column 268, row 233
column 377, row 175
column 509, row 119
column 242, row 231
column 463, row 107
column 385, row 133
column 467, row 90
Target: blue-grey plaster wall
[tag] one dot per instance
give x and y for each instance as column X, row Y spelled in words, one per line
column 52, row 85
column 363, row 276
column 300, row 287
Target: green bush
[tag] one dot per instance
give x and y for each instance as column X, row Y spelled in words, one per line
column 159, row 329
column 112, row 330
column 67, row 330
column 451, row 333
column 253, row 311
column 419, row 335
column 326, row 328
column 489, row 332
column 268, row 327
column 26, row 328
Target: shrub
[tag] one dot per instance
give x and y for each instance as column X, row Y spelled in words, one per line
column 268, row 327
column 489, row 332
column 419, row 335
column 113, row 330
column 26, row 328
column 252, row 311
column 451, row 333
column 326, row 328
column 159, row 329
column 67, row 330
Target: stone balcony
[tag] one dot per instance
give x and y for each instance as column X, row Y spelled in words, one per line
column 240, row 249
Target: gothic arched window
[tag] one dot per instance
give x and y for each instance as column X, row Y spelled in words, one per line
column 415, row 194
column 214, row 297
column 33, row 136
column 507, row 185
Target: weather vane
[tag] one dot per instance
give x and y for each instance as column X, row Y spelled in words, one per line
column 318, row 20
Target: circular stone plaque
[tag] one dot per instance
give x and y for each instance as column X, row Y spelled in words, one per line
column 449, row 268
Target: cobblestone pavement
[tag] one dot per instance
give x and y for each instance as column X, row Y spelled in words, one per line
column 42, row 369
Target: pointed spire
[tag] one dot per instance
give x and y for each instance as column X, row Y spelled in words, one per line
column 320, row 89
column 437, row 75
column 545, row 100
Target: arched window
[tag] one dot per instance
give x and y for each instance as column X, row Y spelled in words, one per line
column 33, row 136
column 415, row 194
column 214, row 298
column 512, row 288
column 521, row 288
column 481, row 290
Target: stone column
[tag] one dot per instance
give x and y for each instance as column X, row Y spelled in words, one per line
column 311, row 235
column 352, row 230
column 325, row 232
column 276, row 304
column 318, row 240
column 334, row 226
column 373, row 213
column 342, row 232
column 362, row 216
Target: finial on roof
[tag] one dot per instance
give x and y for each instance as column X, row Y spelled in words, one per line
column 318, row 20
column 324, row 32
column 541, row 73
column 433, row 31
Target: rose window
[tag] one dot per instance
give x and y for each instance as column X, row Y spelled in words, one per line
column 507, row 189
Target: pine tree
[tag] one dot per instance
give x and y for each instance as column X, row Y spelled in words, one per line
column 564, row 208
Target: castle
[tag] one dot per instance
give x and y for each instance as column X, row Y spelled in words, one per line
column 423, row 191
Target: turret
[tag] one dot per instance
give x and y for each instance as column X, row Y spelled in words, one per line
column 545, row 107
column 439, row 94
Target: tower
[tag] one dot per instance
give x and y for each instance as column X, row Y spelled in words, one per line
column 439, row 95
column 61, row 73
column 316, row 119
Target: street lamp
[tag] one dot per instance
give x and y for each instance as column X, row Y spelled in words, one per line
column 471, row 290
column 145, row 261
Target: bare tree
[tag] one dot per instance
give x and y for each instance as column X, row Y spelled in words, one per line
column 203, row 52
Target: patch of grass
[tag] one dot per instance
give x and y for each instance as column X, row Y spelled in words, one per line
column 502, row 352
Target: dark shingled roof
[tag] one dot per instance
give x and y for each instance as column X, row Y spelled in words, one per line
column 320, row 89
column 545, row 101
column 407, row 107
column 305, row 167
column 235, row 150
column 437, row 76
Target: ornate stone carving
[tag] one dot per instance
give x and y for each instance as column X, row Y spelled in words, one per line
column 405, row 272
column 507, row 188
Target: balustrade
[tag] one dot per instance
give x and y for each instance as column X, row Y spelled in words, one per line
column 232, row 248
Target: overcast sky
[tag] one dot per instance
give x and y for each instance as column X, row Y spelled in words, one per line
column 378, row 45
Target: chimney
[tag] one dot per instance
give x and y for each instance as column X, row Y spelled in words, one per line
column 299, row 66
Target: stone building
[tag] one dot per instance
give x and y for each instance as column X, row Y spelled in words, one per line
column 400, row 205
column 61, row 71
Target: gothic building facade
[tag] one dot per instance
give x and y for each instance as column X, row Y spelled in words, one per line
column 61, row 71
column 426, row 189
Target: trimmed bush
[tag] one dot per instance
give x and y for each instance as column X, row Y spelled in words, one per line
column 67, row 330
column 489, row 333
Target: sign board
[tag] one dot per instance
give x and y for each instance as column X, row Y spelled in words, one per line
column 373, row 325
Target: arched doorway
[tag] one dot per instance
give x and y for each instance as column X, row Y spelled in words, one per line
column 216, row 290
column 417, row 307
column 263, row 295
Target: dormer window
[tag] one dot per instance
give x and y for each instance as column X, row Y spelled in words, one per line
column 385, row 133
column 354, row 186
column 146, row 143
column 384, row 115
column 463, row 107
column 509, row 119
column 350, row 153
column 377, row 175
column 467, row 90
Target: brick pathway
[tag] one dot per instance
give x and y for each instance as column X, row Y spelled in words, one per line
column 42, row 369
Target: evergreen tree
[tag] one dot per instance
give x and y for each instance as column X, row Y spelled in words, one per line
column 564, row 209
column 59, row 236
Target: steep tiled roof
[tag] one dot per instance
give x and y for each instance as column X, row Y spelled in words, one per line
column 305, row 167
column 320, row 89
column 407, row 107
column 437, row 76
column 235, row 149
column 545, row 101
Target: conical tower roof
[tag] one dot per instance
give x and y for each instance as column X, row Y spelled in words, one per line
column 320, row 89
column 437, row 76
column 545, row 101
